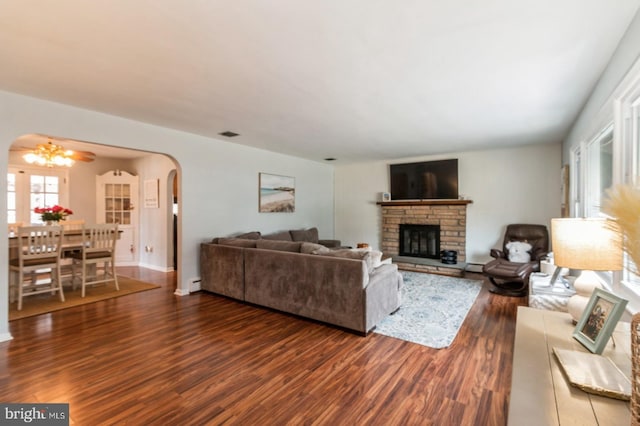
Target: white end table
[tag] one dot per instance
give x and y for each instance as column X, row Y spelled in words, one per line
column 543, row 295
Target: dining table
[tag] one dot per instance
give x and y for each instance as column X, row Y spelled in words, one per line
column 71, row 240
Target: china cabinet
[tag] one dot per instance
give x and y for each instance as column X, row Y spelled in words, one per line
column 117, row 198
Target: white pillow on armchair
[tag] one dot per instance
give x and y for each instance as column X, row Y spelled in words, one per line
column 519, row 251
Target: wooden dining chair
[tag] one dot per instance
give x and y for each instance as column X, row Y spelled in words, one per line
column 12, row 228
column 39, row 250
column 69, row 248
column 75, row 224
column 98, row 252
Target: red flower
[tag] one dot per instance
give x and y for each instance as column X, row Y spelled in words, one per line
column 55, row 213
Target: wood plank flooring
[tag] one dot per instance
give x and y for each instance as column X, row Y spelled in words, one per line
column 153, row 358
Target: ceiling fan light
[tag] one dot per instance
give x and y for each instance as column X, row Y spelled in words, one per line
column 30, row 158
column 50, row 155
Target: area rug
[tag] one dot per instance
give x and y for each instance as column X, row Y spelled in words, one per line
column 433, row 309
column 44, row 303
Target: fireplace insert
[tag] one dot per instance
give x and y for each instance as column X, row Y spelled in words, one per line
column 420, row 241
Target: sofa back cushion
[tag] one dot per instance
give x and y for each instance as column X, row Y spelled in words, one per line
column 311, row 248
column 371, row 257
column 255, row 235
column 280, row 236
column 347, row 253
column 309, row 235
column 279, row 245
column 237, row 242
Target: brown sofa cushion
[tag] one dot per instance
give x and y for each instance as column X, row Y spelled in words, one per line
column 255, row 235
column 280, row 236
column 279, row 245
column 371, row 257
column 237, row 242
column 310, row 248
column 309, row 235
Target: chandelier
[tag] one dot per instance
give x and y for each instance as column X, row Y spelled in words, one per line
column 50, row 155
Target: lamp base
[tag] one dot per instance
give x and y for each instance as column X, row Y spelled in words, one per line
column 585, row 284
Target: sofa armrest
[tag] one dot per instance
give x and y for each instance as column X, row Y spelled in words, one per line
column 330, row 243
column 383, row 294
column 222, row 270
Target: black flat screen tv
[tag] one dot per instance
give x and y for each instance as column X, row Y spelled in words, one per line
column 426, row 180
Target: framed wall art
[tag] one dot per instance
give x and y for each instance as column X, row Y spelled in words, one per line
column 151, row 194
column 599, row 320
column 277, row 193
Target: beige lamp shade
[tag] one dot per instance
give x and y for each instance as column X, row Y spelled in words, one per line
column 586, row 243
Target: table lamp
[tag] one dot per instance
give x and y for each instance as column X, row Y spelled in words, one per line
column 588, row 244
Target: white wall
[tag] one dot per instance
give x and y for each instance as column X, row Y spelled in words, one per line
column 599, row 106
column 514, row 185
column 218, row 179
column 154, row 223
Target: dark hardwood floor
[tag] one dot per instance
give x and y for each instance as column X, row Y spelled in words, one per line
column 153, row 358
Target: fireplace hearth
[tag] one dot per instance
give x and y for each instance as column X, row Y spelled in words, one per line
column 419, row 241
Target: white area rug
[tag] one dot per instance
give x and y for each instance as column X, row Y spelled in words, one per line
column 433, row 309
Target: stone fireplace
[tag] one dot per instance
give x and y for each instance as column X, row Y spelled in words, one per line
column 450, row 216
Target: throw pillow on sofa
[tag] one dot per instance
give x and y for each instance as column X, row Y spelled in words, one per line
column 373, row 258
column 310, row 248
column 309, row 235
column 255, row 235
column 376, row 258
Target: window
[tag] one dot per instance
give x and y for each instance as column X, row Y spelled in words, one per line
column 592, row 165
column 630, row 117
column 599, row 171
column 31, row 187
column 11, row 198
column 609, row 156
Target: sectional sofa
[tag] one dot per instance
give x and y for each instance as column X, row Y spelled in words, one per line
column 346, row 288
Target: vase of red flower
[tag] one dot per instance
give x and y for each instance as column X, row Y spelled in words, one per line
column 52, row 214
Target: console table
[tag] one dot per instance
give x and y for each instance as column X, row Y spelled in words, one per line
column 540, row 392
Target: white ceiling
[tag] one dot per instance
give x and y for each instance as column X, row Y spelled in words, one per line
column 356, row 79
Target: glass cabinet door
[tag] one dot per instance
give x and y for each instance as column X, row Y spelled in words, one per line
column 117, row 202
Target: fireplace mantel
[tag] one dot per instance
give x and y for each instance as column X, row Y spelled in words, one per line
column 425, row 203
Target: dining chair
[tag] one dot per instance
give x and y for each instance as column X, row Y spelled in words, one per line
column 75, row 224
column 98, row 250
column 69, row 248
column 12, row 228
column 39, row 249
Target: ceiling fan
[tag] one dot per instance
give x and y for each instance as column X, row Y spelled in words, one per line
column 51, row 155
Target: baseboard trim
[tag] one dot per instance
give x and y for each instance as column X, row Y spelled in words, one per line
column 5, row 337
column 156, row 267
column 181, row 292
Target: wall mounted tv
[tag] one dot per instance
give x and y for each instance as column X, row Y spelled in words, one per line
column 425, row 180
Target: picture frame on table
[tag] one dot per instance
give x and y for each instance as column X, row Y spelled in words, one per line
column 598, row 320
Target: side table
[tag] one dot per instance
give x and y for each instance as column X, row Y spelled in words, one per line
column 543, row 295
